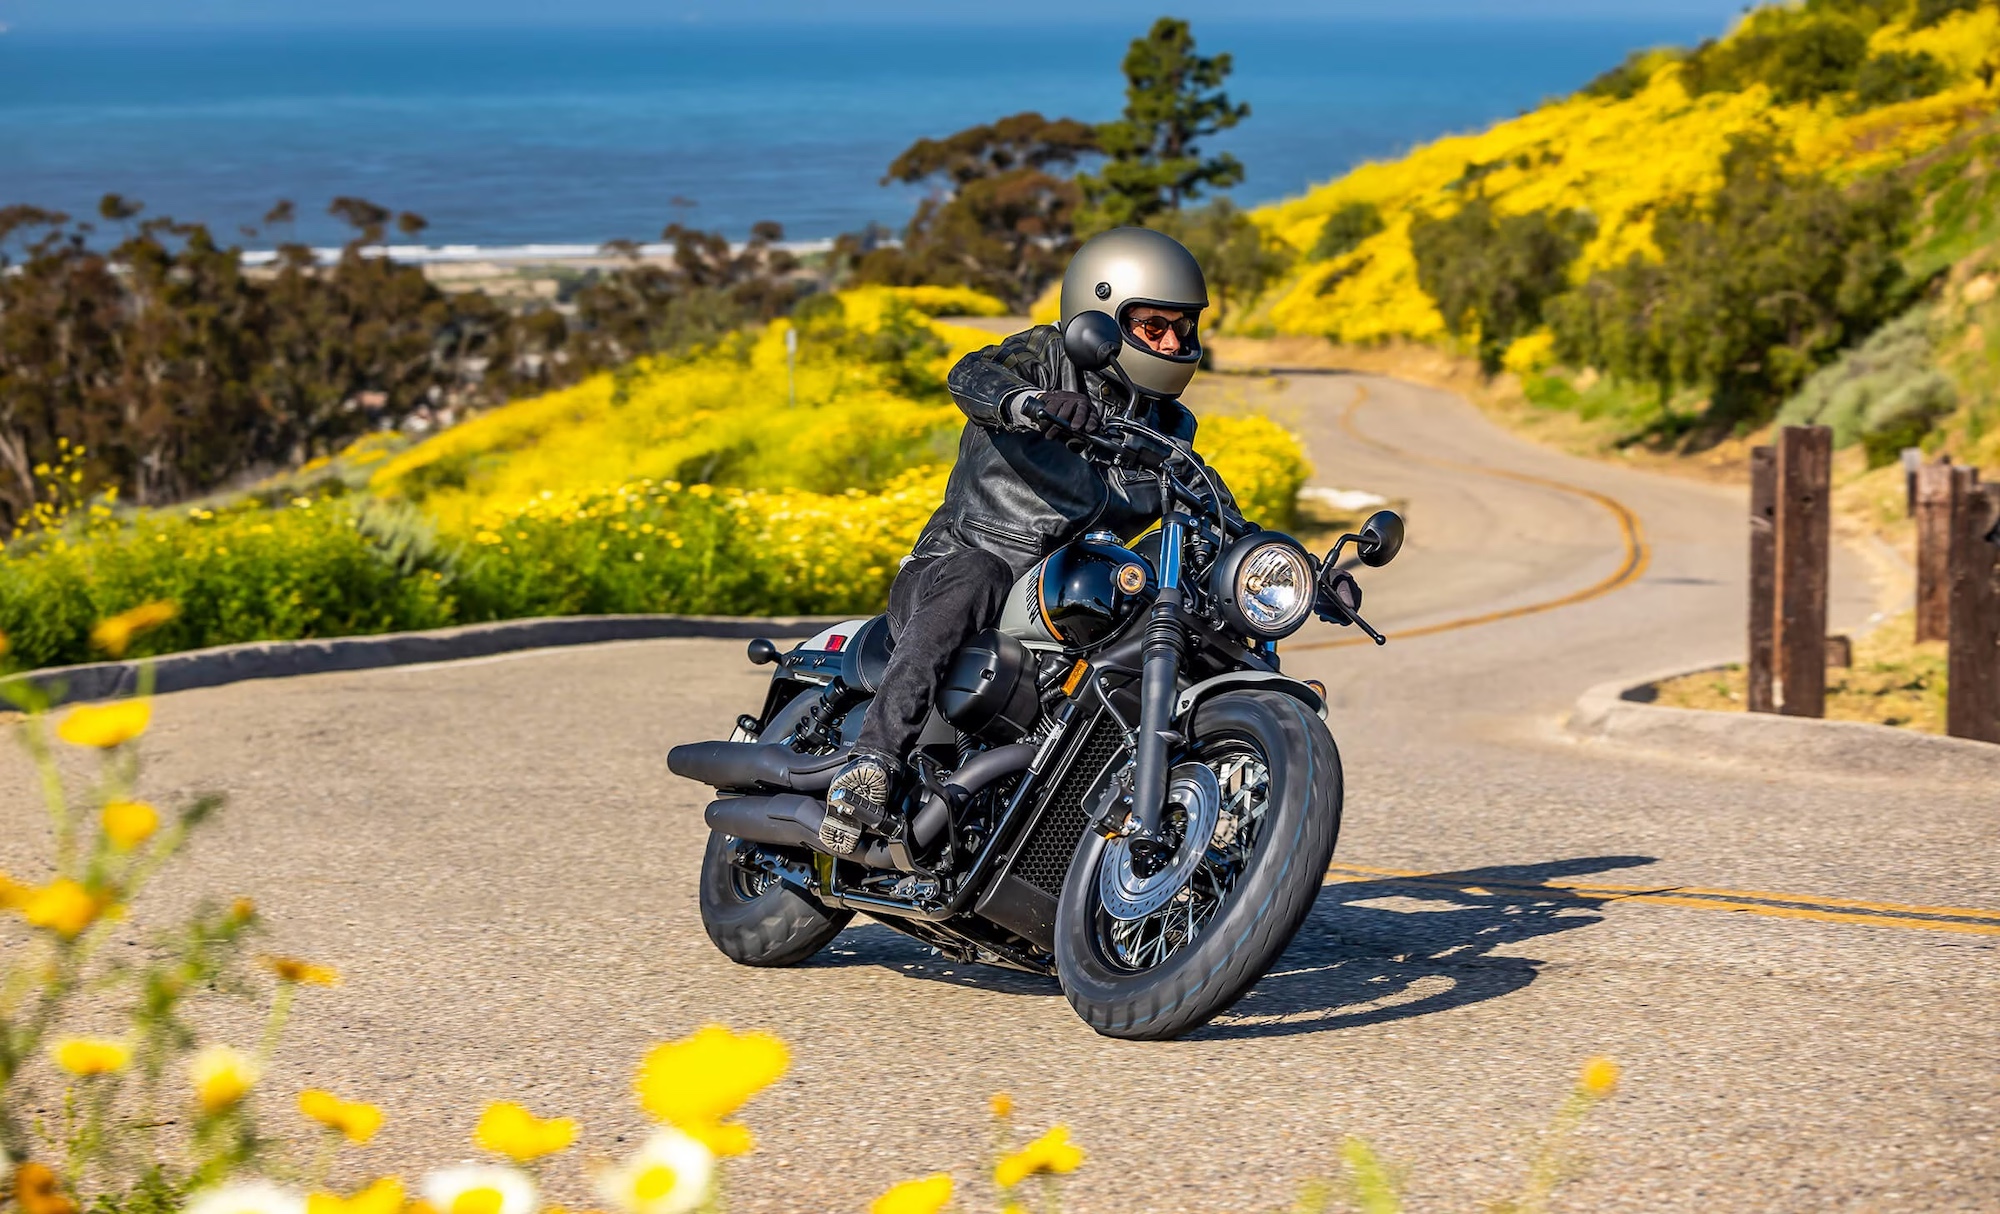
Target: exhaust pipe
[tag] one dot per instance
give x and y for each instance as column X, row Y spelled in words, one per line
column 793, row 819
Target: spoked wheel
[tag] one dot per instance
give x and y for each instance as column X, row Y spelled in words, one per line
column 1155, row 943
column 753, row 916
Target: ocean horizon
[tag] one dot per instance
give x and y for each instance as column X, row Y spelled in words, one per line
column 516, row 137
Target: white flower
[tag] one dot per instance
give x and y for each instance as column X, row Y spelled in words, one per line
column 669, row 1174
column 246, row 1197
column 481, row 1188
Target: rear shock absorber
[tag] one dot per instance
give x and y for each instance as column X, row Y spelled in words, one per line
column 820, row 726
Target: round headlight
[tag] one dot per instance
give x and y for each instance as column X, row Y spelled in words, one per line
column 1270, row 585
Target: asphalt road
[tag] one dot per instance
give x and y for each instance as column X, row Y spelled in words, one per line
column 494, row 855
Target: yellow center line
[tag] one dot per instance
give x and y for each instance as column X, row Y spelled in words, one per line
column 1756, row 902
column 1631, row 535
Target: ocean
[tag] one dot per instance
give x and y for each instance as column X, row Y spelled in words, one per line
column 513, row 137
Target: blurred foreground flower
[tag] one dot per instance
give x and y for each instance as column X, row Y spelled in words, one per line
column 82, row 1056
column 246, row 1197
column 291, row 969
column 696, row 1082
column 385, row 1196
column 1052, row 1154
column 1600, row 1077
column 1002, row 1105
column 356, row 1121
column 36, row 1191
column 510, row 1129
column 104, row 726
column 222, row 1076
column 925, row 1196
column 478, row 1188
column 115, row 635
column 129, row 823
column 669, row 1174
column 63, row 906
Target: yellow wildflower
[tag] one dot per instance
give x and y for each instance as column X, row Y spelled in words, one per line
column 222, row 1077
column 292, row 969
column 91, row 1055
column 114, row 635
column 926, row 1196
column 1002, row 1104
column 63, row 906
column 510, row 1129
column 723, row 1138
column 478, row 1188
column 385, row 1196
column 357, row 1121
column 669, row 1174
column 5, row 645
column 701, row 1079
column 129, row 823
column 1599, row 1078
column 1052, row 1153
column 106, row 725
column 36, row 1191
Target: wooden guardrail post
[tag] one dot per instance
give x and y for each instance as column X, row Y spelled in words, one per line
column 1763, row 576
column 1932, row 495
column 1972, row 707
column 1804, row 535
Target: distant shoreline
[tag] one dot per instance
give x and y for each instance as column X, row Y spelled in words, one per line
column 582, row 256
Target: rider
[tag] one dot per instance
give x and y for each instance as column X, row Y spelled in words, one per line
column 1018, row 493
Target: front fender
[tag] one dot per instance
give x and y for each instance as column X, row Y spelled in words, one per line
column 1261, row 679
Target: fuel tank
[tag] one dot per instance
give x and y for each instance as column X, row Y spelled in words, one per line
column 1079, row 594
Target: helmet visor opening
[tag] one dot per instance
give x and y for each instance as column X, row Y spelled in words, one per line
column 1145, row 331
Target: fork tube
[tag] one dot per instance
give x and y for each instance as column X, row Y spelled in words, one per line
column 1166, row 642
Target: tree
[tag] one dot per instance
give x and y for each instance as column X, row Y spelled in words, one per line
column 997, row 220
column 1490, row 274
column 1756, row 285
column 1345, row 229
column 1173, row 97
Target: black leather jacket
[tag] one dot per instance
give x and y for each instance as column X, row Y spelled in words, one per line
column 1019, row 495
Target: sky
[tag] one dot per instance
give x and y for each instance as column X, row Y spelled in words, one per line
column 130, row 15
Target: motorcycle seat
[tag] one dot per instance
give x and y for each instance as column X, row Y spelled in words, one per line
column 866, row 656
column 754, row 765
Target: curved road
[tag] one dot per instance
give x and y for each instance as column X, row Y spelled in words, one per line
column 494, row 855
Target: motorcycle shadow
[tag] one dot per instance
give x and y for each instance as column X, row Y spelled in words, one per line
column 1373, row 950
column 1383, row 949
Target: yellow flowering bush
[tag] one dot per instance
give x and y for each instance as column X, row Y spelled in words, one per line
column 1616, row 159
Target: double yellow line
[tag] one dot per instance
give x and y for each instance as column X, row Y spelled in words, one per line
column 1631, row 536
column 1960, row 919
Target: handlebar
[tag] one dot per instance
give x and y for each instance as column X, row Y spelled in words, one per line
column 1139, row 446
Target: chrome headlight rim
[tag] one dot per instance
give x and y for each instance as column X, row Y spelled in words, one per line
column 1227, row 584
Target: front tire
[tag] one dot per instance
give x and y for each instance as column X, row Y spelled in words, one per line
column 757, row 919
column 1133, row 980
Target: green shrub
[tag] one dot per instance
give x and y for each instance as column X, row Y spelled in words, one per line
column 1345, row 229
column 1885, row 394
column 1799, row 54
column 1490, row 274
column 1894, row 76
column 1926, row 13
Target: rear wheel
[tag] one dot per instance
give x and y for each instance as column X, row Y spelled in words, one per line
column 1151, row 947
column 753, row 916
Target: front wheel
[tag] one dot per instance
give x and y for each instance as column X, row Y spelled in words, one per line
column 1151, row 948
column 753, row 916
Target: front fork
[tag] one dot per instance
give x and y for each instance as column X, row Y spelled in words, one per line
column 1159, row 686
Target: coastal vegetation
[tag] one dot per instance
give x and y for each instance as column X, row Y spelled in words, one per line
column 1677, row 248
column 709, row 481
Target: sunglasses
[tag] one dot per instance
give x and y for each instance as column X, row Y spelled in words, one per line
column 1155, row 327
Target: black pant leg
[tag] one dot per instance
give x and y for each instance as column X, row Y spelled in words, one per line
column 935, row 607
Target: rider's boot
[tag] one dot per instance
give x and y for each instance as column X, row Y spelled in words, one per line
column 858, row 799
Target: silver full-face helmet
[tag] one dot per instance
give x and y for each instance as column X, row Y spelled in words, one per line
column 1127, row 268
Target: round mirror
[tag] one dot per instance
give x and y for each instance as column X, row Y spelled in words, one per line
column 1091, row 340
column 1381, row 538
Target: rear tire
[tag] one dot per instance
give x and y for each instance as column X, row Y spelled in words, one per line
column 756, row 919
column 1268, row 897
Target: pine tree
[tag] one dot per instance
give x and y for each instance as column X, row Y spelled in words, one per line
column 1173, row 97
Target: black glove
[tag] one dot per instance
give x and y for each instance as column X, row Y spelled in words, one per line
column 1074, row 412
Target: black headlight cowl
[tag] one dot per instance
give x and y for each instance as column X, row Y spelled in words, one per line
column 1265, row 584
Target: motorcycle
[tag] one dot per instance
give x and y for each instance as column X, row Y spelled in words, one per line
column 1118, row 785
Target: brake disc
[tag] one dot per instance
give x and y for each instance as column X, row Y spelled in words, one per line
column 1125, row 893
